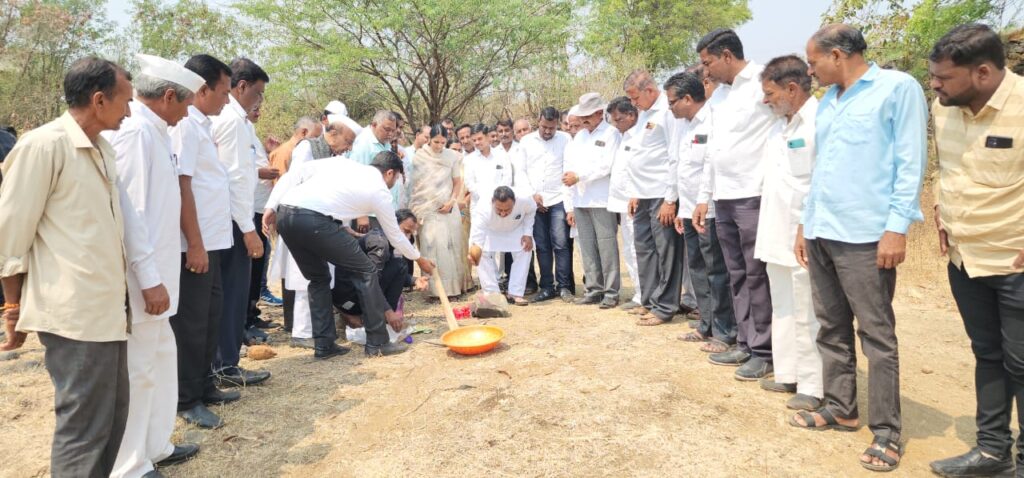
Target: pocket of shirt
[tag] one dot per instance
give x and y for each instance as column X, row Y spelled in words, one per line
column 799, row 162
column 995, row 167
column 855, row 128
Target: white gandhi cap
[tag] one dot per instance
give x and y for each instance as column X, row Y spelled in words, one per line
column 345, row 120
column 168, row 70
column 337, row 108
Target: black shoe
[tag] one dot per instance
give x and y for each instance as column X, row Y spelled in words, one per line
column 755, row 369
column 242, row 378
column 303, row 343
column 386, row 349
column 773, row 386
column 567, row 295
column 154, row 473
column 221, row 397
column 181, row 454
column 973, row 463
column 608, row 303
column 265, row 324
column 201, row 417
column 254, row 336
column 732, row 358
column 544, row 295
column 586, row 300
column 332, row 350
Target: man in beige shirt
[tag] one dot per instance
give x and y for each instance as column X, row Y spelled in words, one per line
column 979, row 136
column 62, row 262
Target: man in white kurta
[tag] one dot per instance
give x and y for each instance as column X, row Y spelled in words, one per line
column 505, row 226
column 485, row 169
column 151, row 201
column 788, row 161
column 587, row 177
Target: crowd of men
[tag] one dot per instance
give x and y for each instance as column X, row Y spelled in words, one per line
column 137, row 225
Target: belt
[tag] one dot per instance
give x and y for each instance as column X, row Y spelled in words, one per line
column 307, row 212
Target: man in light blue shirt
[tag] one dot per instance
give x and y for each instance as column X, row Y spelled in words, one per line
column 368, row 143
column 865, row 189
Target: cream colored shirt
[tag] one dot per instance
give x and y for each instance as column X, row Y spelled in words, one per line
column 62, row 226
column 980, row 190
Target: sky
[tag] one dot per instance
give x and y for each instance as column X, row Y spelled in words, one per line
column 779, row 27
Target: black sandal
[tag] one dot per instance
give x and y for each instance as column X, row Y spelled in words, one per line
column 878, row 449
column 811, row 424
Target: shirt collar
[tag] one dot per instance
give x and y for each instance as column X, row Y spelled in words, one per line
column 806, row 111
column 1002, row 94
column 198, row 116
column 75, row 132
column 237, row 107
column 747, row 73
column 702, row 114
column 660, row 104
column 140, row 108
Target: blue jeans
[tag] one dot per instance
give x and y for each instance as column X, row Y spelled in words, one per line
column 551, row 237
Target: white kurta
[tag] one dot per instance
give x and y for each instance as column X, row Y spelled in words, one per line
column 151, row 201
column 543, row 161
column 788, row 162
column 497, row 235
column 147, row 175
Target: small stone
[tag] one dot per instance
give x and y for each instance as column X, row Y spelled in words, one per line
column 927, row 371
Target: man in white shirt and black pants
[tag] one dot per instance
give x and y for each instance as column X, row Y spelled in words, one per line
column 588, row 167
column 687, row 92
column 741, row 123
column 206, row 237
column 147, row 177
column 658, row 245
column 542, row 155
column 236, row 151
column 315, row 202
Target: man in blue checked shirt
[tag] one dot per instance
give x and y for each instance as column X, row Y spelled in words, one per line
column 865, row 191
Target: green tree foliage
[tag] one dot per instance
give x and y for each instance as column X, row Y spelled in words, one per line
column 428, row 59
column 187, row 27
column 901, row 35
column 663, row 32
column 39, row 39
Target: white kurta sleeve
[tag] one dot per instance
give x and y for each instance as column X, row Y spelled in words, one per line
column 302, row 153
column 234, row 149
column 528, row 218
column 133, row 182
column 477, row 227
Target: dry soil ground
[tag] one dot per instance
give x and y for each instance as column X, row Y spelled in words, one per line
column 573, row 391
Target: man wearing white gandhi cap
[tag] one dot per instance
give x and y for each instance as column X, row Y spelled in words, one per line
column 147, row 174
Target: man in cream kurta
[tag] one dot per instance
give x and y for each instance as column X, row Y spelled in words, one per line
column 151, row 201
column 788, row 160
column 505, row 226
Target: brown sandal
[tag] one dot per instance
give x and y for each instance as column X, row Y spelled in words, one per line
column 649, row 320
column 715, row 346
column 692, row 337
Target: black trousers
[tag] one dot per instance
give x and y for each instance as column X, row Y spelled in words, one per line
column 257, row 276
column 710, row 280
column 196, row 330
column 235, row 265
column 392, row 281
column 993, row 312
column 288, row 297
column 90, row 382
column 314, row 240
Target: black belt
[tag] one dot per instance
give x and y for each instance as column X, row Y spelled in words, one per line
column 307, row 212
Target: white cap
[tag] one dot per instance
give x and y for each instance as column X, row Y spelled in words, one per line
column 336, row 107
column 345, row 120
column 574, row 111
column 590, row 103
column 168, row 70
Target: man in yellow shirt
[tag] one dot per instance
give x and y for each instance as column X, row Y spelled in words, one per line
column 63, row 265
column 979, row 136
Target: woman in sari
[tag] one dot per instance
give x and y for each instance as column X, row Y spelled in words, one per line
column 436, row 189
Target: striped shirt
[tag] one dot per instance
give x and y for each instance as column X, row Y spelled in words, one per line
column 980, row 190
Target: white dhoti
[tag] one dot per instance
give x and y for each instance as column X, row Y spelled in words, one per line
column 794, row 330
column 302, row 319
column 153, row 402
column 629, row 254
column 488, row 272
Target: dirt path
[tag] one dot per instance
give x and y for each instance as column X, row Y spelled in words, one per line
column 572, row 392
